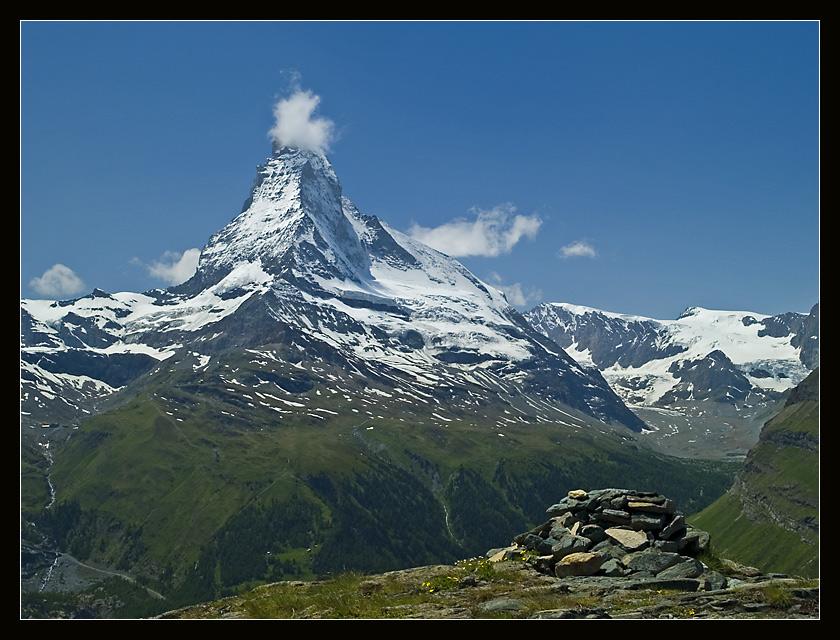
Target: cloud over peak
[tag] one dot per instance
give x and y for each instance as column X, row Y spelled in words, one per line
column 295, row 123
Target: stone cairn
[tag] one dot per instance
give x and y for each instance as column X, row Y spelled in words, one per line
column 617, row 533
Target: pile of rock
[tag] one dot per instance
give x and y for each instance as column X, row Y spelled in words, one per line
column 618, row 533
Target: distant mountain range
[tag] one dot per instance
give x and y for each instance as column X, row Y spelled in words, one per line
column 727, row 369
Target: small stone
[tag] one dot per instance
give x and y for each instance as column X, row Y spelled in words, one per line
column 693, row 542
column 651, row 560
column 610, row 550
column 645, row 522
column 673, row 528
column 614, row 516
column 613, row 568
column 688, row 568
column 530, row 541
column 568, row 545
column 630, row 540
column 558, row 531
column 651, row 507
column 565, row 520
column 593, row 532
column 712, row 580
column 507, row 553
column 578, row 564
column 503, row 604
column 666, row 545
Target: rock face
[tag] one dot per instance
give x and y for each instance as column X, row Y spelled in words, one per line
column 617, row 533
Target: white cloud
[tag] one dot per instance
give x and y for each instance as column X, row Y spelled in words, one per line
column 491, row 234
column 57, row 281
column 296, row 126
column 514, row 292
column 173, row 267
column 578, row 249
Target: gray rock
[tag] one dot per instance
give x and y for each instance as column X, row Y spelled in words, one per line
column 666, row 545
column 529, row 541
column 558, row 530
column 566, row 520
column 569, row 544
column 593, row 532
column 712, row 581
column 613, row 516
column 646, row 522
column 614, row 568
column 610, row 550
column 693, row 542
column 654, row 505
column 687, row 568
column 545, row 547
column 503, row 604
column 652, row 560
column 674, row 527
column 505, row 553
column 558, row 509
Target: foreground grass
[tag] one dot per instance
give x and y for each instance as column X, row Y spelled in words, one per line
column 433, row 591
column 479, row 589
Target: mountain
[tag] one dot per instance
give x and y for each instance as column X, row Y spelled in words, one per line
column 704, row 382
column 324, row 394
column 770, row 516
column 301, row 266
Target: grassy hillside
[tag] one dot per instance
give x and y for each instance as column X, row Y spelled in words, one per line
column 770, row 517
column 201, row 487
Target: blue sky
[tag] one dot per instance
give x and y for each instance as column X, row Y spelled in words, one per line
column 635, row 167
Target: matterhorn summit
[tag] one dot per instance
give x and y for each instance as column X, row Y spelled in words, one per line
column 293, row 221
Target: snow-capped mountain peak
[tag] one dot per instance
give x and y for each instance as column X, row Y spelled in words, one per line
column 294, row 215
column 302, row 267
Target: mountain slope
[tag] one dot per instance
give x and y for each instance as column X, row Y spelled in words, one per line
column 705, row 382
column 770, row 516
